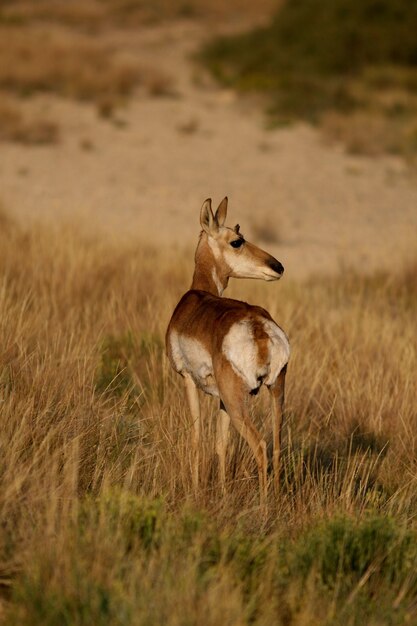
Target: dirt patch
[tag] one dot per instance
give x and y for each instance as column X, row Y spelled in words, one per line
column 146, row 170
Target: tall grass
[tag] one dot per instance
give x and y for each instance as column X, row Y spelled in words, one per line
column 99, row 523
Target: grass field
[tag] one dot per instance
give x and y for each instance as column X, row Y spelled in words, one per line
column 99, row 524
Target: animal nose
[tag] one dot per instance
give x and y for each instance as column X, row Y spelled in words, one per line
column 276, row 266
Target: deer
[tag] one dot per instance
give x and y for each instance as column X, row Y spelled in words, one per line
column 229, row 348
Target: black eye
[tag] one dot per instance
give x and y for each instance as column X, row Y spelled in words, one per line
column 237, row 243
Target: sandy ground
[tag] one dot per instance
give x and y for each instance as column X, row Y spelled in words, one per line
column 147, row 172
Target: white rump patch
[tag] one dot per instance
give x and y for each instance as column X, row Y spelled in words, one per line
column 279, row 350
column 190, row 356
column 241, row 350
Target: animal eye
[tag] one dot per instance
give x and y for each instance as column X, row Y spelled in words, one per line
column 237, row 243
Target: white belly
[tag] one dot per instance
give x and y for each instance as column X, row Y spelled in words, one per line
column 189, row 355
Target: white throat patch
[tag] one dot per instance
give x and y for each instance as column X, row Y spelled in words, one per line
column 217, row 281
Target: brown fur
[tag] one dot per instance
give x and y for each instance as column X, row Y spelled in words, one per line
column 203, row 315
column 208, row 318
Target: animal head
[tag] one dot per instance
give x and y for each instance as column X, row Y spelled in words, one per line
column 235, row 256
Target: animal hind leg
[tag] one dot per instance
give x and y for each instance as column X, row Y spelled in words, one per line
column 234, row 395
column 194, row 406
column 277, row 390
column 222, row 435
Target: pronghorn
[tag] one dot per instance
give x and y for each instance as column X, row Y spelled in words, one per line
column 226, row 347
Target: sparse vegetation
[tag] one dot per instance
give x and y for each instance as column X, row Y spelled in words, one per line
column 94, row 15
column 34, row 61
column 69, row 49
column 16, row 126
column 318, row 56
column 60, row 48
column 98, row 521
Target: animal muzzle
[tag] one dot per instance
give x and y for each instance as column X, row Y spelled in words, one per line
column 276, row 266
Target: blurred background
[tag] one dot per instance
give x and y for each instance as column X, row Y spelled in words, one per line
column 127, row 114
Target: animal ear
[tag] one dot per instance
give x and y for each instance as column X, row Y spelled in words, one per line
column 221, row 212
column 207, row 221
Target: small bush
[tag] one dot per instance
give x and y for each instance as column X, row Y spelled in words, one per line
column 122, row 368
column 114, row 373
column 343, row 550
column 136, row 521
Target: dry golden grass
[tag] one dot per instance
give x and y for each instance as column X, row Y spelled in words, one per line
column 98, row 521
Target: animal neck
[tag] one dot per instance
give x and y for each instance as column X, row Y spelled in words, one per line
column 208, row 275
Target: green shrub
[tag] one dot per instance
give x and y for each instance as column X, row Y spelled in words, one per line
column 127, row 556
column 90, row 603
column 113, row 374
column 311, row 47
column 344, row 550
column 122, row 367
column 135, row 520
